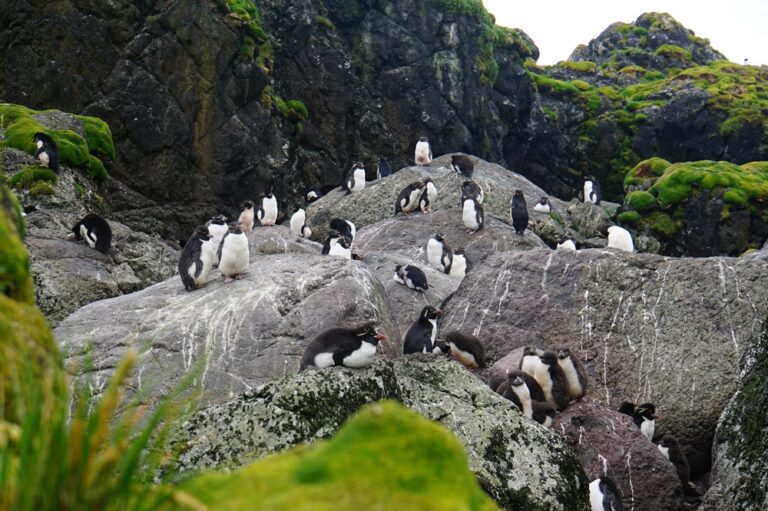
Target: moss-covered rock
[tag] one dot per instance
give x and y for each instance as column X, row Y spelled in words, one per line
column 385, row 457
column 15, row 282
column 30, row 175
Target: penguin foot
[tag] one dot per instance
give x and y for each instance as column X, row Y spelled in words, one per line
column 240, row 276
column 227, row 280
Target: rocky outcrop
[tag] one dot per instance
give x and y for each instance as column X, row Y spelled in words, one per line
column 608, row 443
column 393, row 439
column 739, row 471
column 632, row 314
column 238, row 335
column 520, row 464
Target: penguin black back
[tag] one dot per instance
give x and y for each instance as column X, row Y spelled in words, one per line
column 560, row 395
column 338, row 346
column 383, row 169
column 47, row 151
column 342, row 227
column 96, row 231
column 192, row 253
column 466, row 348
column 676, row 456
column 604, row 495
column 420, row 337
column 471, row 190
column 519, row 212
column 463, row 165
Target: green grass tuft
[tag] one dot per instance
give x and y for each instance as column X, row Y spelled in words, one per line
column 15, row 281
column 640, row 201
column 98, row 136
column 628, row 217
column 29, row 176
column 41, row 188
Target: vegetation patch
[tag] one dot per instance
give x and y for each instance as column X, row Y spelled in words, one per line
column 15, row 281
column 256, row 43
column 628, row 217
column 31, row 175
column 292, row 109
column 640, row 201
column 646, row 172
column 327, row 23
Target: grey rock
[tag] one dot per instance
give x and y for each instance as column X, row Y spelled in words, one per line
column 608, row 443
column 278, row 239
column 520, row 464
column 665, row 330
column 587, row 218
column 240, row 335
column 739, row 470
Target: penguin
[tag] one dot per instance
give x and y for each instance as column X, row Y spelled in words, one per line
column 439, row 253
column 534, row 389
column 459, row 264
column 542, row 206
column 246, row 217
column 627, row 408
column 591, row 190
column 312, row 195
column 645, row 419
column 565, row 244
column 267, row 213
column 217, row 228
column 467, row 349
column 408, row 200
column 441, row 348
column 96, row 231
column 428, row 196
column 530, row 362
column 604, row 495
column 411, row 276
column 472, row 215
column 47, row 152
column 349, row 347
column 383, row 169
column 463, row 165
column 299, row 224
column 553, row 381
column 234, row 254
column 671, row 450
column 519, row 212
column 543, row 413
column 196, row 258
column 517, row 391
column 618, row 237
column 420, row 337
column 355, row 180
column 423, row 153
column 344, row 227
column 338, row 245
column 575, row 374
column 471, row 190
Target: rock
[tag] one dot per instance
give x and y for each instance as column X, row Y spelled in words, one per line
column 606, row 440
column 239, row 335
column 739, row 471
column 277, row 239
column 394, row 440
column 587, row 218
column 633, row 315
column 520, row 464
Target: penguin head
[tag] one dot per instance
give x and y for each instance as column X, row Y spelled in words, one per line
column 515, row 378
column 589, row 178
column 399, row 269
column 549, row 358
column 218, row 220
column 368, row 333
column 438, row 237
column 423, row 139
column 247, row 205
column 430, row 312
column 544, row 201
column 459, row 251
column 563, row 353
column 344, row 242
column 312, row 196
column 201, row 233
column 443, row 346
column 646, row 411
column 234, row 228
column 358, row 165
column 627, row 408
column 530, row 351
column 426, row 181
column 518, row 195
column 669, row 441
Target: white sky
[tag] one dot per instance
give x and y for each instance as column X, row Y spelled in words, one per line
column 736, row 28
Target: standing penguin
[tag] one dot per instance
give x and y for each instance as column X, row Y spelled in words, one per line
column 411, row 276
column 217, row 228
column 463, row 165
column 439, row 253
column 299, row 224
column 196, row 258
column 423, row 153
column 519, row 212
column 575, row 374
column 349, row 347
column 344, row 227
column 383, row 169
column 645, row 419
column 517, row 391
column 337, row 244
column 409, row 198
column 553, row 382
column 234, row 254
column 355, row 179
column 96, row 231
column 267, row 213
column 467, row 349
column 420, row 337
column 542, row 206
column 459, row 264
column 428, row 196
column 472, row 215
column 246, row 217
column 534, row 389
column 47, row 152
column 566, row 244
column 671, row 450
column 618, row 237
column 591, row 190
column 471, row 190
column 604, row 495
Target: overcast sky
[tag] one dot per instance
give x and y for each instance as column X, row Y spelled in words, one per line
column 736, row 28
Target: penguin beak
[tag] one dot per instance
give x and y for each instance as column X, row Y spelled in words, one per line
column 439, row 312
column 381, row 337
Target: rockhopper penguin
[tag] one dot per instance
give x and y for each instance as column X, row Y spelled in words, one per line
column 196, row 259
column 350, row 347
column 420, row 337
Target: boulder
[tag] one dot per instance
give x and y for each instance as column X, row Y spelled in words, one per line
column 520, row 464
column 657, row 329
column 608, row 443
column 278, row 239
column 238, row 335
column 377, row 201
column 739, row 471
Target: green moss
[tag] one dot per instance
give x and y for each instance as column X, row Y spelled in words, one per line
column 98, row 136
column 628, row 217
column 674, row 52
column 583, row 66
column 550, row 113
column 652, row 76
column 96, row 170
column 292, row 109
column 15, row 281
column 41, row 188
column 646, row 171
column 327, row 23
column 28, row 176
column 385, row 457
column 661, row 223
column 640, row 201
column 256, row 44
column 632, row 70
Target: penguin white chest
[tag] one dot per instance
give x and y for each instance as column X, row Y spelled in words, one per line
column 435, row 253
column 431, row 192
column 464, row 357
column 647, row 428
column 541, row 208
column 566, row 245
column 43, row 158
column 323, row 360
column 89, row 236
column 620, row 238
column 399, row 279
column 412, row 201
column 423, row 154
column 664, row 451
column 574, row 385
column 269, row 214
column 207, row 258
column 246, row 220
column 432, row 337
column 595, row 496
column 469, row 215
column 357, row 180
column 524, row 395
column 588, row 195
column 458, row 266
column 352, row 229
column 338, row 250
column 217, row 232
column 362, row 356
column 234, row 255
column 298, row 220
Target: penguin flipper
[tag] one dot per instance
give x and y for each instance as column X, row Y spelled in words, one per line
column 221, row 245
